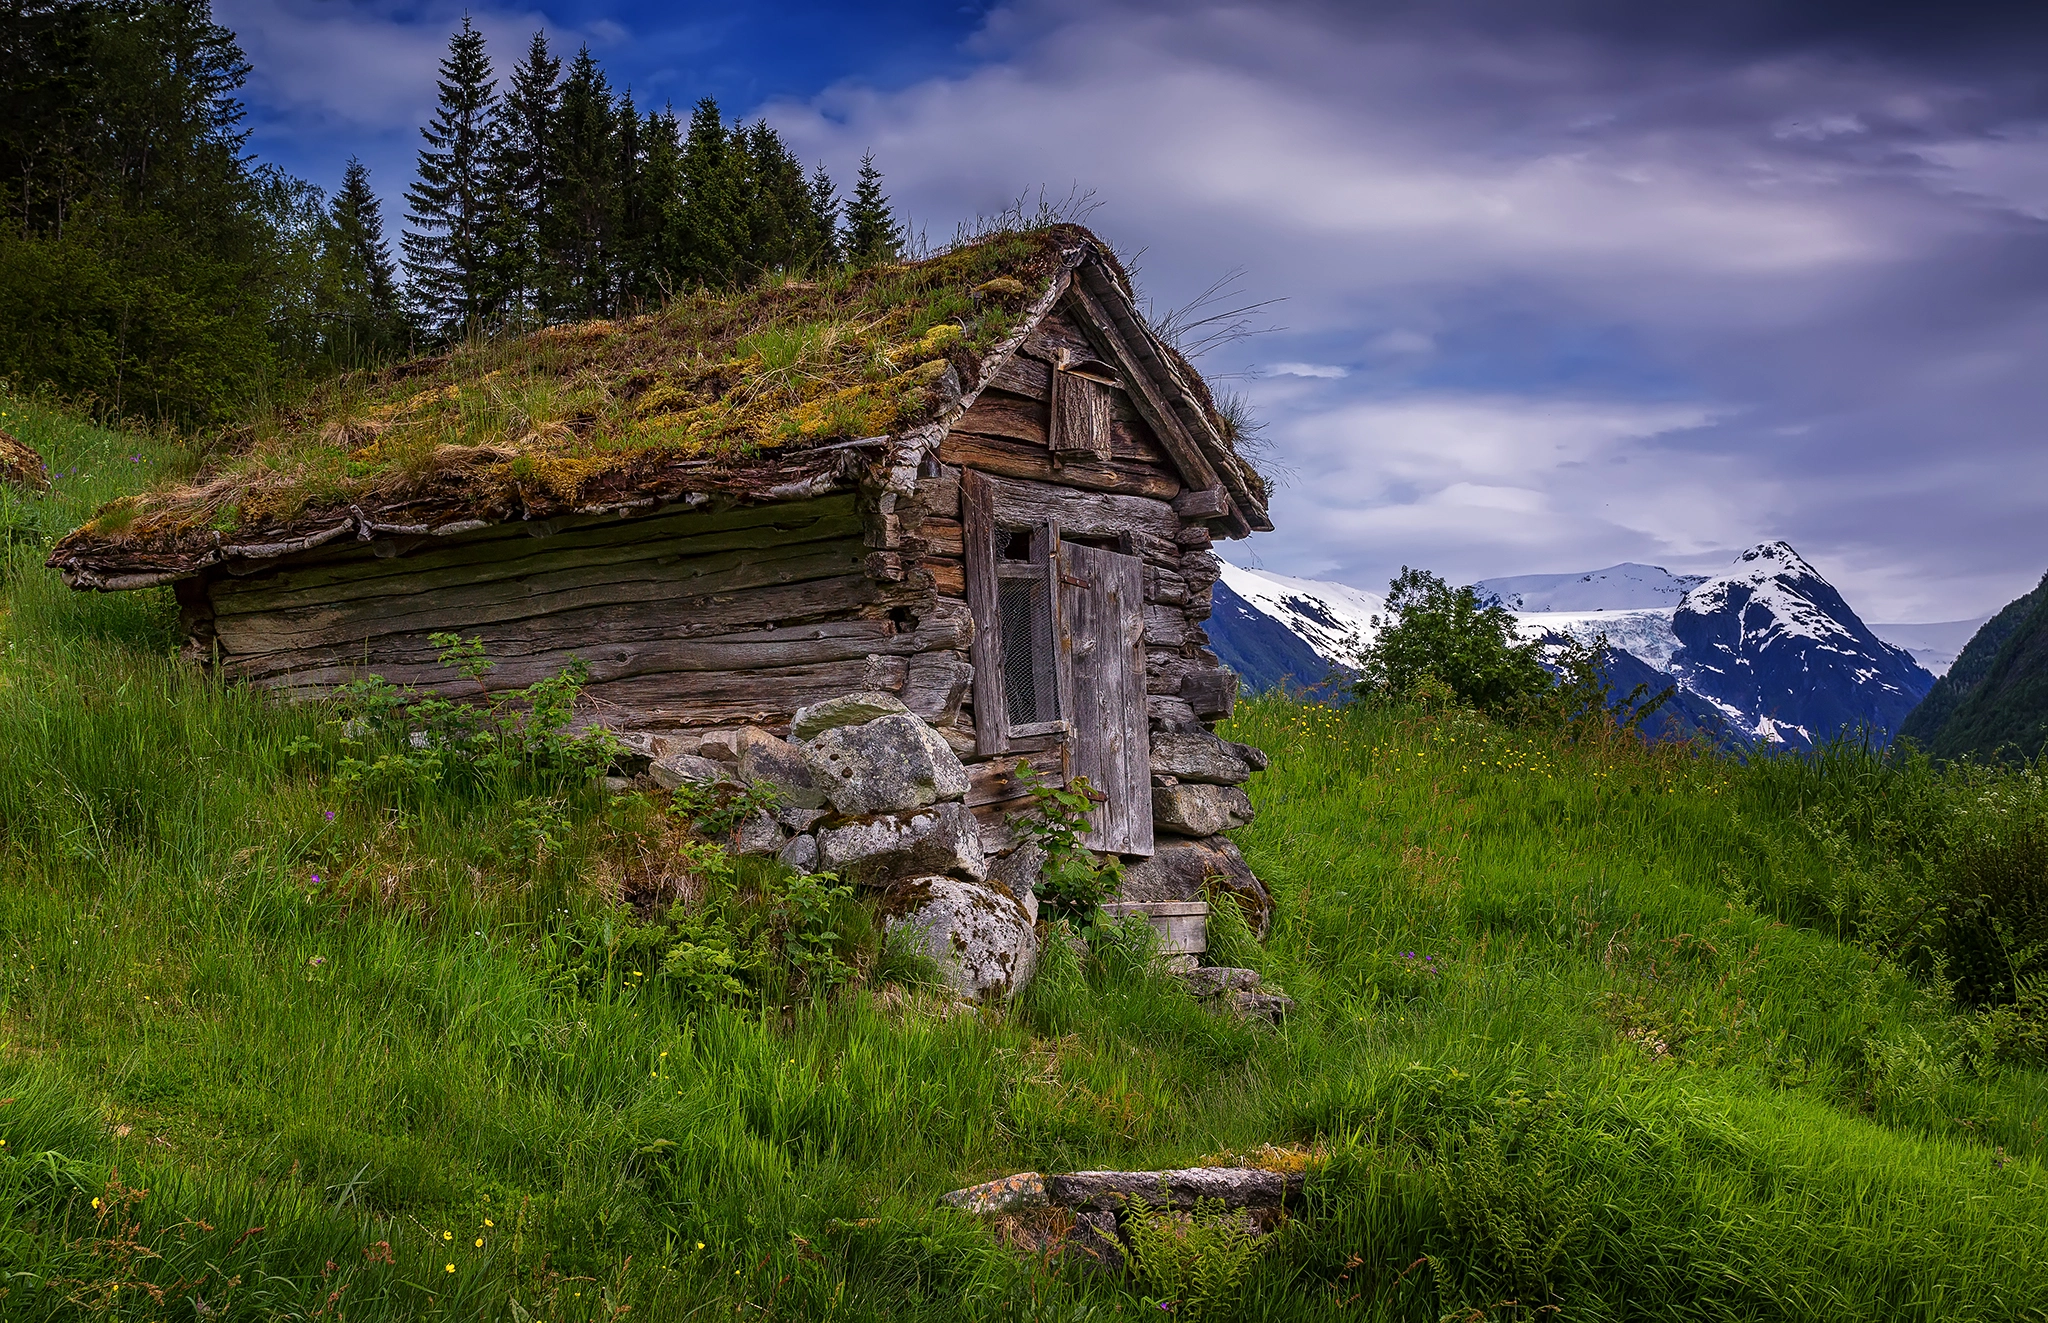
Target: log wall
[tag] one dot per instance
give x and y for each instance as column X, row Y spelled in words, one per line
column 684, row 618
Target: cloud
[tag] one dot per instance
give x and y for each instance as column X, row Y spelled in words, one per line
column 365, row 67
column 1565, row 284
column 1625, row 286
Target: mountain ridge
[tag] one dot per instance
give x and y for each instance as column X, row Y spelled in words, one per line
column 1767, row 650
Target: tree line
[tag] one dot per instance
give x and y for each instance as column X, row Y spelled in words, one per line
column 149, row 263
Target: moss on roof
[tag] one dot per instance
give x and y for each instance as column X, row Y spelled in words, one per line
column 547, row 418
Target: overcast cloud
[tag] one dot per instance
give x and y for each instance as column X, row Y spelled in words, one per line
column 1565, row 284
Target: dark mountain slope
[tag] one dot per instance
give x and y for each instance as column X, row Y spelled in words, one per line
column 1264, row 653
column 1972, row 667
column 2003, row 714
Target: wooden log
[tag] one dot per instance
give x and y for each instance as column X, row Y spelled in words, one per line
column 541, row 594
column 939, row 495
column 499, row 553
column 1080, row 417
column 948, row 575
column 1055, row 332
column 1016, row 418
column 1195, row 536
column 1208, row 503
column 995, row 781
column 943, row 537
column 1165, row 627
column 1086, row 514
column 997, row 413
column 1025, row 376
column 437, row 576
column 784, row 604
column 935, row 684
column 528, row 657
column 766, row 698
column 1014, row 460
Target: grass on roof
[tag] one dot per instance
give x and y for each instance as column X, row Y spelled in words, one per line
column 787, row 364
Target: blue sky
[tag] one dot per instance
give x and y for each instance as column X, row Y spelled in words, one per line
column 1564, row 283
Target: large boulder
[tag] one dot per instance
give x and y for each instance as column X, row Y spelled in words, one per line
column 1019, row 870
column 977, row 932
column 889, row 765
column 846, row 710
column 1199, row 809
column 1183, row 869
column 762, row 757
column 1200, row 757
column 942, row 838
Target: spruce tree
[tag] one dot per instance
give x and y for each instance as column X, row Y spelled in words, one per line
column 780, row 227
column 446, row 254
column 873, row 235
column 649, row 235
column 358, row 304
column 576, row 230
column 522, row 174
column 711, row 219
column 824, row 206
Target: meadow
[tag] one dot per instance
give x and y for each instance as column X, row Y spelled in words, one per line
column 1584, row 1029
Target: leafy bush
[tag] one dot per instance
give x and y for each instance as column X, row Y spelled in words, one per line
column 754, row 938
column 1072, row 882
column 1436, row 638
column 403, row 743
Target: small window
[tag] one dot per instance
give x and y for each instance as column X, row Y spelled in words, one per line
column 1010, row 589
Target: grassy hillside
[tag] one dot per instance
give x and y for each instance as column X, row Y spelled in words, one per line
column 1576, row 1025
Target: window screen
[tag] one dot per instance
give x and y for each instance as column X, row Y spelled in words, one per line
column 1025, row 623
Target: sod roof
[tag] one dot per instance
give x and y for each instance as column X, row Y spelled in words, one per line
column 767, row 393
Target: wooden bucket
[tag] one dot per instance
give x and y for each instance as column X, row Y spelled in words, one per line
column 1182, row 925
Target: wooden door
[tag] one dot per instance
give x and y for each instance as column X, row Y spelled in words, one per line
column 1102, row 647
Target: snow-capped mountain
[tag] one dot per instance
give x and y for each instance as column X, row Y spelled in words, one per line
column 1773, row 645
column 1617, row 588
column 1276, row 630
column 1335, row 620
column 1766, row 651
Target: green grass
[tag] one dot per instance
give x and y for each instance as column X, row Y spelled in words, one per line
column 1631, row 1066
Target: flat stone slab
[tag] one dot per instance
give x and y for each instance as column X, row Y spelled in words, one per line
column 846, row 710
column 687, row 769
column 1235, row 1187
column 1197, row 809
column 1009, row 1194
column 1215, row 980
column 939, row 839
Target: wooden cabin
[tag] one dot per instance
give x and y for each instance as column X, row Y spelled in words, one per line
column 1020, row 552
